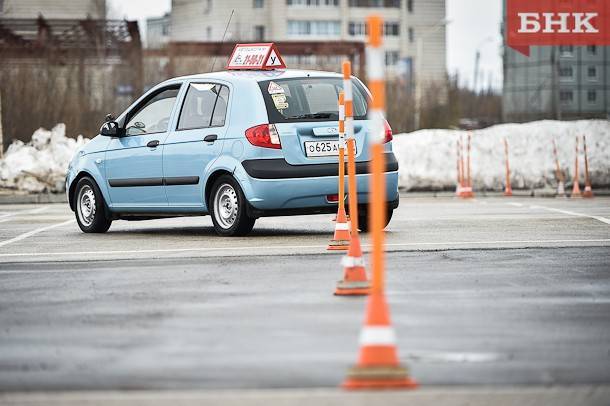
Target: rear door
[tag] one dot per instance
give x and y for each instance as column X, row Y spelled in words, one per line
column 196, row 142
column 305, row 113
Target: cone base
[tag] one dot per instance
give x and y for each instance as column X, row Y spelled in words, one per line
column 588, row 193
column 338, row 245
column 508, row 193
column 575, row 196
column 353, row 288
column 379, row 377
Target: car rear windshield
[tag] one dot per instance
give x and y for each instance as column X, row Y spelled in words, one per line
column 309, row 99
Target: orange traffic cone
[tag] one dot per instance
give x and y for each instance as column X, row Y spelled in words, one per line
column 340, row 241
column 354, row 281
column 588, row 192
column 508, row 190
column 378, row 366
column 576, row 187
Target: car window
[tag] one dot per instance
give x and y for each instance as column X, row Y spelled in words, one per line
column 309, row 99
column 154, row 116
column 220, row 111
column 205, row 105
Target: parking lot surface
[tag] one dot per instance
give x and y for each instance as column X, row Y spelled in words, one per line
column 489, row 291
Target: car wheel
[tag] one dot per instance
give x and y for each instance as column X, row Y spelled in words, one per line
column 228, row 208
column 363, row 220
column 89, row 207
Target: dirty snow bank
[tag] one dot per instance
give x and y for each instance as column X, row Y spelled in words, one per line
column 41, row 164
column 427, row 158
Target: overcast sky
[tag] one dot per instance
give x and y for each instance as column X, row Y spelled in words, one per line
column 474, row 24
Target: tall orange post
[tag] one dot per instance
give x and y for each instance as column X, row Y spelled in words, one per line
column 341, row 238
column 378, row 366
column 354, row 282
column 561, row 188
column 508, row 190
column 588, row 192
column 576, row 187
column 458, row 187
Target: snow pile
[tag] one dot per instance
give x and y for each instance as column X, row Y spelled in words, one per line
column 427, row 158
column 41, row 164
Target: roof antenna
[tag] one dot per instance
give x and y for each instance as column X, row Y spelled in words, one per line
column 222, row 41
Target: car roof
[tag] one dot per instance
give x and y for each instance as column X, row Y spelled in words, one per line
column 257, row 75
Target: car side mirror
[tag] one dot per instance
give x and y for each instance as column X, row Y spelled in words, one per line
column 110, row 129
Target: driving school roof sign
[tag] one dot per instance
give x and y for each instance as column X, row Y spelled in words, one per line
column 256, row 57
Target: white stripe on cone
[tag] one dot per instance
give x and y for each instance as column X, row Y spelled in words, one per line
column 351, row 262
column 374, row 63
column 341, row 226
column 377, row 336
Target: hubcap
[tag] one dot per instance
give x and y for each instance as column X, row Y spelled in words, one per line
column 226, row 206
column 86, row 205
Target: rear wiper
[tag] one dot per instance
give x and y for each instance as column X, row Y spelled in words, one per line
column 313, row 115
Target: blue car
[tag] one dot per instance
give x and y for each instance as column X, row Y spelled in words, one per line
column 237, row 145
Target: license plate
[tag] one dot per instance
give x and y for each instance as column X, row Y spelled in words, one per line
column 322, row 148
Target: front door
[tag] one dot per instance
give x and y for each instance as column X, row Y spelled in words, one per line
column 193, row 147
column 134, row 163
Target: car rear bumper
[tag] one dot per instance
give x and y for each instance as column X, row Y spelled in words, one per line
column 280, row 169
column 268, row 197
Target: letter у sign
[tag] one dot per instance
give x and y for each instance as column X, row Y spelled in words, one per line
column 255, row 57
column 557, row 22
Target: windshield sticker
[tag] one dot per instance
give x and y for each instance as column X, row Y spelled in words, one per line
column 274, row 88
column 280, row 101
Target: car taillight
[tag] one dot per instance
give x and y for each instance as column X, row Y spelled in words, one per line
column 264, row 135
column 388, row 132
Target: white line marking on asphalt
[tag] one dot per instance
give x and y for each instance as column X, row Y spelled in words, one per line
column 34, row 232
column 572, row 213
column 264, row 250
column 516, row 204
column 7, row 217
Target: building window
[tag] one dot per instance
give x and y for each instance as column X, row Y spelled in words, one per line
column 208, row 33
column 356, row 28
column 258, row 3
column 411, row 34
column 592, row 49
column 391, row 58
column 259, row 32
column 566, row 73
column 391, row 29
column 375, row 3
column 410, row 6
column 566, row 96
column 566, row 50
column 592, row 73
column 592, row 96
column 314, row 28
column 313, row 3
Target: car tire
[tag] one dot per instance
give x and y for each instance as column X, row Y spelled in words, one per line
column 228, row 208
column 363, row 220
column 90, row 208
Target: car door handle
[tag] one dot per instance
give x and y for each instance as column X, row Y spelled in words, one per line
column 153, row 144
column 210, row 138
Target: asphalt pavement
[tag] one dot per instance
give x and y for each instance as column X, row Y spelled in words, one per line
column 490, row 292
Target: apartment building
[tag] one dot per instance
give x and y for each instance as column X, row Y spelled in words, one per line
column 53, row 9
column 157, row 31
column 406, row 21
